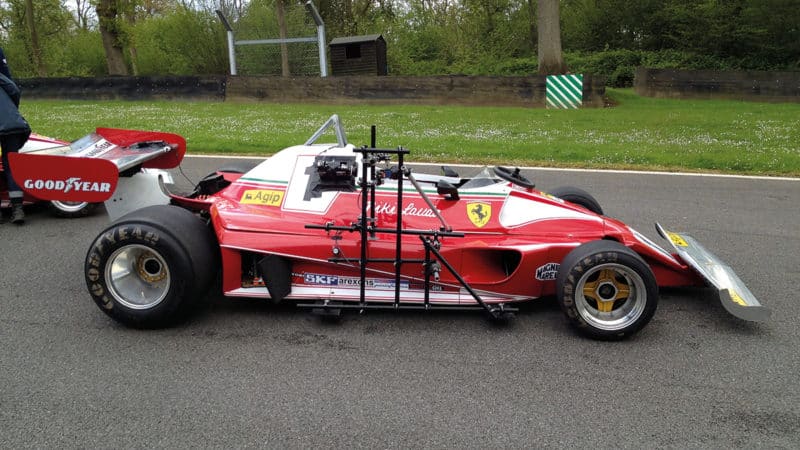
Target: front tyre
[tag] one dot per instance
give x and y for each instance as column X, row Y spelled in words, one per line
column 150, row 267
column 606, row 290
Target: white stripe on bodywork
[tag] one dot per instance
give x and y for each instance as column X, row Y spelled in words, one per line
column 518, row 211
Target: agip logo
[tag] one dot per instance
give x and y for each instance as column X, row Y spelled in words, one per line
column 262, row 197
column 479, row 213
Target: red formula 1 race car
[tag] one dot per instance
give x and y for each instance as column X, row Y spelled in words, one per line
column 332, row 227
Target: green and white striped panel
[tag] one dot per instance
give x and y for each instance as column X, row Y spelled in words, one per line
column 564, row 91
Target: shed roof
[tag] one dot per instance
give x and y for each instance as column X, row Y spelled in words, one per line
column 356, row 39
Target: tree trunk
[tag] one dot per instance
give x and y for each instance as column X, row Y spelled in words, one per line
column 112, row 37
column 550, row 59
column 36, row 50
column 532, row 32
column 132, row 51
column 282, row 33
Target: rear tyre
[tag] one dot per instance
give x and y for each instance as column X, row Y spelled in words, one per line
column 577, row 196
column 606, row 290
column 72, row 210
column 150, row 267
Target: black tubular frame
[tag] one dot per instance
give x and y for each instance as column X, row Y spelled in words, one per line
column 365, row 226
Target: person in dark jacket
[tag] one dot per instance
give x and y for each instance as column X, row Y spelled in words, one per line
column 14, row 132
column 4, row 65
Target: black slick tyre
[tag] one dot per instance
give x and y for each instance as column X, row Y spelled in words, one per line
column 606, row 290
column 577, row 196
column 150, row 267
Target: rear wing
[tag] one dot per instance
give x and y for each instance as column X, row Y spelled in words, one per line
column 87, row 170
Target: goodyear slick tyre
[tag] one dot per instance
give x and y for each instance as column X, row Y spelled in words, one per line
column 151, row 266
column 606, row 290
column 577, row 196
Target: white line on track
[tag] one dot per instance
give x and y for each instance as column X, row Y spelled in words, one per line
column 560, row 169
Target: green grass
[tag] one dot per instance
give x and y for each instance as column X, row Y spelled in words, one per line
column 638, row 133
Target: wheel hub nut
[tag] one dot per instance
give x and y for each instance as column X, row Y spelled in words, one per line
column 150, row 269
column 607, row 291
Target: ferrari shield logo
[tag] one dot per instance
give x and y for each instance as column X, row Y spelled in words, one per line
column 479, row 213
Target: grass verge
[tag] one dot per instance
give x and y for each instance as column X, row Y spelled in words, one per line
column 638, row 133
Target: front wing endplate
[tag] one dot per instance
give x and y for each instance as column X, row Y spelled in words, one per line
column 734, row 295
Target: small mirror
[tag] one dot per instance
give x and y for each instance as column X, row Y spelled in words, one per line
column 449, row 172
column 447, row 190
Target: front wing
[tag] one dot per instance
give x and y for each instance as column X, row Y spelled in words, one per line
column 734, row 295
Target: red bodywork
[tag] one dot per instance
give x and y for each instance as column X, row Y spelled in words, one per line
column 512, row 245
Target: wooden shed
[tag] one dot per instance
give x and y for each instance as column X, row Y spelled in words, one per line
column 358, row 55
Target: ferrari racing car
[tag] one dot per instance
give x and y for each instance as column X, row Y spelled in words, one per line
column 332, row 227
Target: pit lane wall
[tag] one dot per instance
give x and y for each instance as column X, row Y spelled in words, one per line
column 438, row 90
column 711, row 84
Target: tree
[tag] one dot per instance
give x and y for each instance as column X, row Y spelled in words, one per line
column 282, row 34
column 551, row 61
column 82, row 11
column 112, row 35
column 36, row 49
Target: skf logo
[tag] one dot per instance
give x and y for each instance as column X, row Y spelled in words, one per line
column 73, row 184
column 262, row 197
column 326, row 280
column 479, row 213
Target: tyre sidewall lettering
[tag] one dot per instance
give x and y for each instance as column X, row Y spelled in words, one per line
column 103, row 247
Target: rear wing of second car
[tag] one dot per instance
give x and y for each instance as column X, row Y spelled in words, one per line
column 87, row 170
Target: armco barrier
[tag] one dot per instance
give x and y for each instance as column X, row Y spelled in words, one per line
column 125, row 88
column 451, row 90
column 434, row 90
column 738, row 85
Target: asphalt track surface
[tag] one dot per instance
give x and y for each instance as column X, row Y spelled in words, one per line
column 242, row 374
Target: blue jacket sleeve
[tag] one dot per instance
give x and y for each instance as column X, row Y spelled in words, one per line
column 11, row 89
column 4, row 65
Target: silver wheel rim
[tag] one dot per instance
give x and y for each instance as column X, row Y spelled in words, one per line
column 610, row 297
column 69, row 207
column 137, row 276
